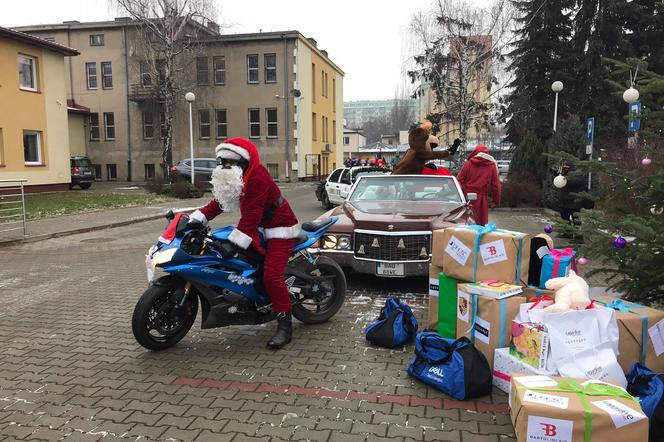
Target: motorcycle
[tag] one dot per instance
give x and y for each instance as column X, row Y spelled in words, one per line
column 229, row 288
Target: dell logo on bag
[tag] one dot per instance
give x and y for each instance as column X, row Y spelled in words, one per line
column 549, row 429
column 437, row 371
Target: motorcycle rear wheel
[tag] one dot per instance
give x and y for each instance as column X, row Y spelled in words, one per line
column 332, row 281
column 157, row 322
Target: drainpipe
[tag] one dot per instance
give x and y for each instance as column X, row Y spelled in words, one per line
column 124, row 41
column 286, row 99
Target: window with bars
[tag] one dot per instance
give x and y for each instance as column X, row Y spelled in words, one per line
column 272, row 128
column 91, row 74
column 222, row 123
column 109, row 126
column 219, row 66
column 202, row 74
column 204, row 124
column 270, row 68
column 148, row 125
column 93, row 126
column 252, row 68
column 106, row 75
column 254, row 123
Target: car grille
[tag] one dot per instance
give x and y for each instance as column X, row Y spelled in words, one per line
column 406, row 247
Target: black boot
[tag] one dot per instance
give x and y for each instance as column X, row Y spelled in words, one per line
column 284, row 331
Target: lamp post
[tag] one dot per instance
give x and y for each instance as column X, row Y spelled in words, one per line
column 556, row 87
column 190, row 97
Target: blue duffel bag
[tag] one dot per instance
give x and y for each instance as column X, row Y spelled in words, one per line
column 456, row 368
column 648, row 387
column 395, row 326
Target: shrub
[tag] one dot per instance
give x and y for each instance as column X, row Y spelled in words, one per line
column 155, row 184
column 521, row 191
column 182, row 189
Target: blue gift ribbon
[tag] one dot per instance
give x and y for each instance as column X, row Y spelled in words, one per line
column 503, row 314
column 626, row 307
column 481, row 230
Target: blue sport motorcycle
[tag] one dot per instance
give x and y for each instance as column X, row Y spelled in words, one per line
column 229, row 288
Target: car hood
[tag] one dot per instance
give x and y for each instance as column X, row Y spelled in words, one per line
column 401, row 215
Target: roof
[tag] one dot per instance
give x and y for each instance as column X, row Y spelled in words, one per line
column 74, row 108
column 353, row 131
column 36, row 41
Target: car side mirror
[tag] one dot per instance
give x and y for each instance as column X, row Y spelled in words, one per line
column 471, row 197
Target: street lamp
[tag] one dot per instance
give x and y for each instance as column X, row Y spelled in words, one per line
column 556, row 87
column 190, row 97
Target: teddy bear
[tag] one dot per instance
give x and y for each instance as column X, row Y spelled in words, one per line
column 421, row 144
column 571, row 293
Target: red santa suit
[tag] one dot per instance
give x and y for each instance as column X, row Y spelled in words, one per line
column 479, row 174
column 261, row 208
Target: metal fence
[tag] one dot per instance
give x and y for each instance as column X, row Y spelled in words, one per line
column 12, row 207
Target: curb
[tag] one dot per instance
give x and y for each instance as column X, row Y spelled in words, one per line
column 45, row 236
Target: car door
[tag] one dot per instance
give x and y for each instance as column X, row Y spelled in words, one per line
column 332, row 186
column 344, row 185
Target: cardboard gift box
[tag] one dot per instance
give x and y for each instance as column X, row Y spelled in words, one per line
column 531, row 292
column 640, row 331
column 480, row 253
column 505, row 365
column 432, row 316
column 530, row 344
column 554, row 409
column 486, row 321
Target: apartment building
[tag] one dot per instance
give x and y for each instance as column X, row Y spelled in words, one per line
column 277, row 89
column 34, row 137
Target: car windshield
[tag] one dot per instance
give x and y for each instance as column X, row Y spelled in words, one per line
column 406, row 188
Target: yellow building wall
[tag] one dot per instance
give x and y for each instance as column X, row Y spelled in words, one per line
column 77, row 135
column 44, row 111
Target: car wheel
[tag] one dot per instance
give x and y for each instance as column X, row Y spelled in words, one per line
column 85, row 185
column 325, row 201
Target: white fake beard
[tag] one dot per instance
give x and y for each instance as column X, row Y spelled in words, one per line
column 227, row 187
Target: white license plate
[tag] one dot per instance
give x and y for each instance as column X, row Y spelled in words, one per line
column 390, row 269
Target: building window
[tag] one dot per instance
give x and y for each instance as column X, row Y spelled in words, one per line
column 322, row 83
column 272, row 128
column 325, row 130
column 202, row 75
column 91, row 73
column 334, row 131
column 32, row 147
column 148, row 126
column 146, row 73
column 270, row 68
column 327, row 91
column 149, row 171
column 273, row 169
column 27, row 72
column 109, row 126
column 111, row 172
column 222, row 123
column 93, row 124
column 204, row 124
column 160, row 66
column 162, row 125
column 346, row 141
column 313, row 83
column 96, row 39
column 254, row 123
column 313, row 126
column 106, row 75
column 219, row 66
column 334, row 95
column 252, row 68
column 97, row 170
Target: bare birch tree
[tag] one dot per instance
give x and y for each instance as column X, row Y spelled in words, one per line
column 461, row 61
column 167, row 34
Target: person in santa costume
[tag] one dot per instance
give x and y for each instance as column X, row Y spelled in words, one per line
column 479, row 174
column 242, row 182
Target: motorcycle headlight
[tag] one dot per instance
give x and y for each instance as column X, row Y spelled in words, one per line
column 164, row 257
column 329, row 242
column 343, row 243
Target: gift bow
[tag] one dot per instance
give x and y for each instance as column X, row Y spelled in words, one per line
column 536, row 301
column 590, row 389
column 628, row 307
column 558, row 255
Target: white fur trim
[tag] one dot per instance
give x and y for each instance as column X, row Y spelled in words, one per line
column 486, row 156
column 239, row 238
column 282, row 232
column 244, row 153
column 198, row 216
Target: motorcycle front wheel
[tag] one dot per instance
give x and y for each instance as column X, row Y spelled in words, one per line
column 325, row 293
column 159, row 322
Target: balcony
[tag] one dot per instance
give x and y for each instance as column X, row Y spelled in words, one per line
column 143, row 92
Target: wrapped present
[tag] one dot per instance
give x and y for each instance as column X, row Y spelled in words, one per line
column 641, row 333
column 539, row 248
column 486, row 321
column 432, row 317
column 477, row 253
column 535, row 292
column 556, row 264
column 554, row 409
column 447, row 306
column 530, row 344
column 504, row 365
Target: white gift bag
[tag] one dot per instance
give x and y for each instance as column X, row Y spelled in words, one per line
column 525, row 309
column 598, row 363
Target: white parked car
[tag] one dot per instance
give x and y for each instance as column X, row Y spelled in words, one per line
column 334, row 190
column 503, row 166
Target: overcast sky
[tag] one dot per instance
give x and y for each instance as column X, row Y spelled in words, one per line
column 367, row 39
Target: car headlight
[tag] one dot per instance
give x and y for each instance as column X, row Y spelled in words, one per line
column 343, row 243
column 329, row 242
column 336, row 242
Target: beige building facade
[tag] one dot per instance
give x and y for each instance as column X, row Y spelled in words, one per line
column 353, row 140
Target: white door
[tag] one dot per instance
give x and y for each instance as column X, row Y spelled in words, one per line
column 344, row 185
column 332, row 186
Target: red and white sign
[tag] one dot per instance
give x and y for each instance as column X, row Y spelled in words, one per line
column 493, row 252
column 546, row 429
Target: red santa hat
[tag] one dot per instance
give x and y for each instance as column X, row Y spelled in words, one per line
column 233, row 150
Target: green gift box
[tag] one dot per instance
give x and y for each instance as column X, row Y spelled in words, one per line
column 447, row 306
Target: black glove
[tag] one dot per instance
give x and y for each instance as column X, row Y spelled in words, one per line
column 195, row 224
column 455, row 146
column 226, row 248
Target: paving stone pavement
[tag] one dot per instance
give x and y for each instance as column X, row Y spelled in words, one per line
column 71, row 369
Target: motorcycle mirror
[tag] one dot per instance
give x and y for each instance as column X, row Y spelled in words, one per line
column 182, row 225
column 170, row 215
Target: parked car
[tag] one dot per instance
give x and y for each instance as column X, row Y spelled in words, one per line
column 82, row 173
column 203, row 168
column 385, row 225
column 335, row 188
column 503, row 166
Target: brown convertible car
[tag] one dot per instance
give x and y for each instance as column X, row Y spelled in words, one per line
column 385, row 224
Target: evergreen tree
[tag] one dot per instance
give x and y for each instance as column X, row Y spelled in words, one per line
column 542, row 54
column 528, row 160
